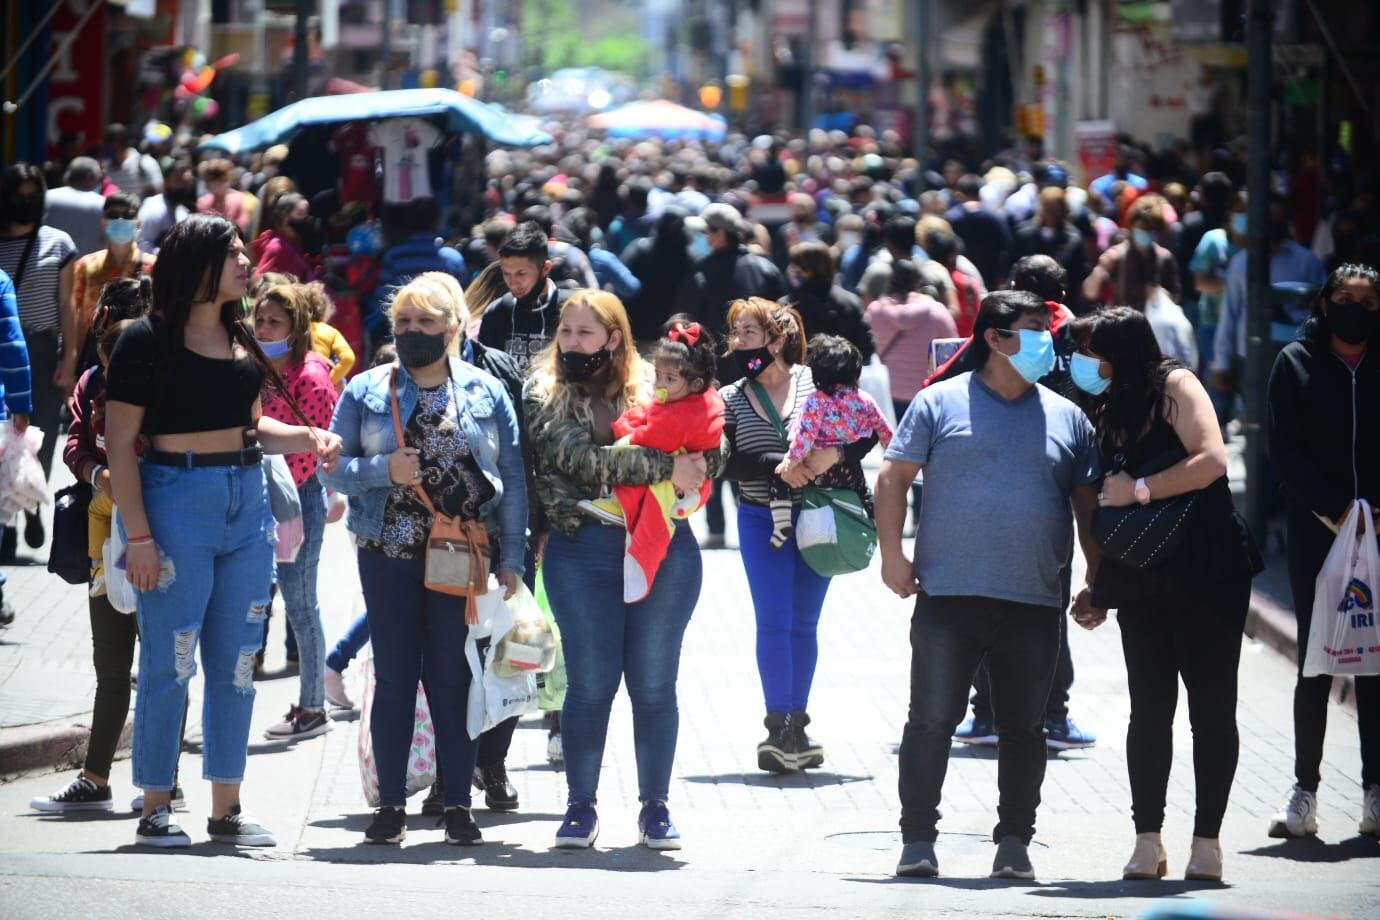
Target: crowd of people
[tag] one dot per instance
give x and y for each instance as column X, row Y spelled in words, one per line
column 630, row 327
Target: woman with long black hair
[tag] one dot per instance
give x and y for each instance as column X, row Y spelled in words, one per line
column 1324, row 399
column 1181, row 617
column 195, row 515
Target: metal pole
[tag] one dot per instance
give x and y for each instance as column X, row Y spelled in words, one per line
column 385, row 42
column 11, row 107
column 1259, row 28
column 920, row 128
column 299, row 49
column 38, row 30
column 807, row 68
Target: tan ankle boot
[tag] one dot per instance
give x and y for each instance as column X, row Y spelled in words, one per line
column 1148, row 860
column 1204, row 861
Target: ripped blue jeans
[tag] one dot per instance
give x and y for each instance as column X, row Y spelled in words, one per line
column 214, row 526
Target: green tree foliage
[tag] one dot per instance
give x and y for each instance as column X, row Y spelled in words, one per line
column 552, row 39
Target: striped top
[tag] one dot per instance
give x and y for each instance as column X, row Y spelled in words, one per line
column 749, row 435
column 38, row 293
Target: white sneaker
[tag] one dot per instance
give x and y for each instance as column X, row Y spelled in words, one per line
column 178, row 803
column 1370, row 813
column 1298, row 818
column 335, row 690
column 555, row 752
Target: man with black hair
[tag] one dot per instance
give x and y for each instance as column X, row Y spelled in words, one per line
column 1049, row 233
column 570, row 266
column 524, row 320
column 986, row 238
column 1008, row 466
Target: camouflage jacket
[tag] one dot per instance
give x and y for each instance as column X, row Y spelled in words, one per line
column 571, row 467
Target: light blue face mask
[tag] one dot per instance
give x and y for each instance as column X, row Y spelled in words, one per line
column 120, row 231
column 1036, row 356
column 699, row 245
column 275, row 350
column 1240, row 223
column 1143, row 239
column 1087, row 374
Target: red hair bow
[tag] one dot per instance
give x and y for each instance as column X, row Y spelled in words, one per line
column 690, row 334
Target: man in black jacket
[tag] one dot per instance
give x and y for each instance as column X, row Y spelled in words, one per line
column 524, row 320
column 1049, row 233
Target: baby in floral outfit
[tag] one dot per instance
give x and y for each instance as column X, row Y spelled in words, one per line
column 836, row 414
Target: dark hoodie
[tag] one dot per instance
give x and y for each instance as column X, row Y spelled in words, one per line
column 661, row 262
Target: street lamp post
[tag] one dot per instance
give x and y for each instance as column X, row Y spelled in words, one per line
column 299, row 49
column 1259, row 26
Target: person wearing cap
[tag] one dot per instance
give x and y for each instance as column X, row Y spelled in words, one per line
column 728, row 273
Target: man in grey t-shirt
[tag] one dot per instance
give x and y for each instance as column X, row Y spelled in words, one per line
column 1008, row 466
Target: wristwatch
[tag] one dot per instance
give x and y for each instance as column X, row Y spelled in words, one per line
column 1142, row 491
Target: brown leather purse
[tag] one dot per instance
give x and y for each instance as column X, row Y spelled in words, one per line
column 457, row 551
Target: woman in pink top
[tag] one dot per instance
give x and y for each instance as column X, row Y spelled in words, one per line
column 291, row 237
column 904, row 322
column 282, row 324
column 220, row 198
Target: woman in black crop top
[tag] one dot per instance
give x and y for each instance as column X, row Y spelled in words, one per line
column 1182, row 617
column 195, row 515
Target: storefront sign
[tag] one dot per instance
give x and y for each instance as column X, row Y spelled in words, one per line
column 1096, row 148
column 76, row 99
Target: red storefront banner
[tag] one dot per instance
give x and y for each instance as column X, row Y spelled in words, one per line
column 76, row 86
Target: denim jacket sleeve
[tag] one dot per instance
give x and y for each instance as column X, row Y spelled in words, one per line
column 355, row 474
column 512, row 469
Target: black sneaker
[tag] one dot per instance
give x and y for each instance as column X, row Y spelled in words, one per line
column 33, row 530
column 777, row 753
column 6, row 612
column 179, row 800
column 460, row 827
column 389, row 826
column 240, row 829
column 299, row 724
column 159, row 830
column 808, row 752
column 499, row 794
column 80, row 795
column 9, row 543
column 434, row 805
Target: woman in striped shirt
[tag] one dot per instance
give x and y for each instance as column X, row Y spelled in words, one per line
column 768, row 345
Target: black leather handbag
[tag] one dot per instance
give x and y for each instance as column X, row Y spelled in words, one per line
column 67, row 558
column 1146, row 535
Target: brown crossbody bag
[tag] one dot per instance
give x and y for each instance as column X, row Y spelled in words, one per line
column 457, row 551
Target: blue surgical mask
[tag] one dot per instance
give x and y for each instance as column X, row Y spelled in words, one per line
column 120, row 231
column 699, row 245
column 1087, row 375
column 275, row 350
column 1143, row 239
column 1036, row 357
column 1240, row 223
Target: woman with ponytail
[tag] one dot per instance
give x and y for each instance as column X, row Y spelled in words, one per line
column 187, row 381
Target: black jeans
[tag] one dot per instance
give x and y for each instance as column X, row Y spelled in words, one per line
column 1183, row 634
column 714, row 507
column 47, row 398
column 949, row 638
column 112, row 653
column 1057, row 710
column 1309, row 543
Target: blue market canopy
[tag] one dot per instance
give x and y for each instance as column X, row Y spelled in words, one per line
column 462, row 114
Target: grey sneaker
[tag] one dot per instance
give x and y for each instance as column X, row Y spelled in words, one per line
column 918, row 860
column 1012, row 860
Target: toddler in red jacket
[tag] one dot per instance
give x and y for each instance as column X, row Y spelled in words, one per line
column 687, row 417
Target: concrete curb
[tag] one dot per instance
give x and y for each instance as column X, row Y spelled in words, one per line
column 50, row 746
column 1271, row 624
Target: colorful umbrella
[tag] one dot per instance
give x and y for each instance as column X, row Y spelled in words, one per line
column 658, row 119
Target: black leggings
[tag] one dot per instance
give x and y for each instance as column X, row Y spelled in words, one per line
column 1311, row 694
column 1183, row 634
column 112, row 653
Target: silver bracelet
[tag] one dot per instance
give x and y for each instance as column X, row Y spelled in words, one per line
column 95, row 472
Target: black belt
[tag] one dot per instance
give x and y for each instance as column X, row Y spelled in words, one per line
column 249, row 456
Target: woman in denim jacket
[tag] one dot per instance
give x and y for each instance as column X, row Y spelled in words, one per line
column 461, row 447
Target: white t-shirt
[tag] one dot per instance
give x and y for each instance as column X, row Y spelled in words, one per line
column 405, row 142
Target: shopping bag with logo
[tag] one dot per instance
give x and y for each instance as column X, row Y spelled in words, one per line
column 529, row 645
column 834, row 532
column 494, row 698
column 1344, row 637
column 421, row 755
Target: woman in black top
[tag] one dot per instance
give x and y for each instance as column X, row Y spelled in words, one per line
column 1182, row 617
column 195, row 515
column 824, row 306
column 1323, row 407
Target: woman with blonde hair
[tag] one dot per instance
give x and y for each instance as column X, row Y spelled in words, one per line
column 584, row 380
column 460, row 457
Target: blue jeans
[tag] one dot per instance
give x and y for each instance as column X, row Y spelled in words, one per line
column 297, row 581
column 787, row 596
column 349, row 645
column 607, row 641
column 418, row 635
column 214, row 525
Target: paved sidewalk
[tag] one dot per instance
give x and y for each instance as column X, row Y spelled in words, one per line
column 815, row 845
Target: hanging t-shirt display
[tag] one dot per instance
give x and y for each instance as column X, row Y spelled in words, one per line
column 405, row 142
column 356, row 151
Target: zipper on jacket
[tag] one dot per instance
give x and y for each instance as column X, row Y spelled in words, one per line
column 1355, row 474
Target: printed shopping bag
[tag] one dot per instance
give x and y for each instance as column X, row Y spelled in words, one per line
column 1344, row 637
column 23, row 487
column 421, row 755
column 493, row 698
column 530, row 644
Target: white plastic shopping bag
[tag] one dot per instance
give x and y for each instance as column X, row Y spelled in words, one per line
column 421, row 754
column 875, row 381
column 1344, row 637
column 529, row 644
column 23, row 487
column 291, row 536
column 494, row 698
column 815, row 526
column 1173, row 330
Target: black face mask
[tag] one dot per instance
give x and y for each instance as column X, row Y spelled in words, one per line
column 26, row 209
column 1352, row 322
column 752, row 361
column 580, row 367
column 180, row 197
column 529, row 300
column 308, row 230
column 418, row 349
